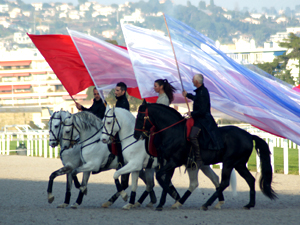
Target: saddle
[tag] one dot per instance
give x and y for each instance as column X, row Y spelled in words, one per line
column 189, row 124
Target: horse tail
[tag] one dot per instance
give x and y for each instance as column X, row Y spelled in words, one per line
column 265, row 181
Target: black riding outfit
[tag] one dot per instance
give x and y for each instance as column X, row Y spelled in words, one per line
column 205, row 127
column 98, row 108
column 122, row 102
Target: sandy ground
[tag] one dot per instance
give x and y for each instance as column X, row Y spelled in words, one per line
column 23, row 199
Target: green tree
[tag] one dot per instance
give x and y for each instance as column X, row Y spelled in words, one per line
column 293, row 52
column 202, row 5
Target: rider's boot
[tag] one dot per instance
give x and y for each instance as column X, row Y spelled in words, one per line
column 195, row 131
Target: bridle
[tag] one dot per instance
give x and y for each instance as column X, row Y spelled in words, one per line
column 147, row 118
column 72, row 142
column 115, row 121
column 50, row 131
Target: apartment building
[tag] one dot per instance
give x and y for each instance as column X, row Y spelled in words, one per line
column 28, row 87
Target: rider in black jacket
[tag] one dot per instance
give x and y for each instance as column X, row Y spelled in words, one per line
column 98, row 107
column 205, row 126
column 120, row 93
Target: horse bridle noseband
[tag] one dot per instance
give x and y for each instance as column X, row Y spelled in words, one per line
column 50, row 131
column 146, row 118
column 115, row 120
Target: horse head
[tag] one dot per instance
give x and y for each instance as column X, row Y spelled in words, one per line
column 55, row 127
column 143, row 122
column 70, row 132
column 110, row 126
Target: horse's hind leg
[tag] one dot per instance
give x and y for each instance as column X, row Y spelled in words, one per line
column 244, row 172
column 193, row 177
column 83, row 189
column 215, row 180
column 147, row 176
column 68, row 192
column 226, row 172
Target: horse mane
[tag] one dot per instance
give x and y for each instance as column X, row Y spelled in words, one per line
column 130, row 118
column 88, row 120
column 167, row 108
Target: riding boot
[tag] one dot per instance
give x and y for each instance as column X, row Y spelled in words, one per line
column 195, row 131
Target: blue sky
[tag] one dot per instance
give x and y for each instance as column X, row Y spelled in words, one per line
column 230, row 4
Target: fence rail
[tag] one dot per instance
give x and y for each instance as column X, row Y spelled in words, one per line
column 36, row 144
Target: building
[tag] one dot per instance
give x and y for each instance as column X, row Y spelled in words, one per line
column 28, row 87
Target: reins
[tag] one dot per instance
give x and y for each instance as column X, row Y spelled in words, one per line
column 147, row 118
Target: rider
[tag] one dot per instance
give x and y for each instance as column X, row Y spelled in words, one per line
column 98, row 107
column 165, row 91
column 205, row 126
column 166, row 96
column 122, row 102
column 120, row 93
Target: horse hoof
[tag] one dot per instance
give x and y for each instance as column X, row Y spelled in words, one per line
column 127, row 206
column 106, row 204
column 137, row 204
column 83, row 189
column 150, row 205
column 50, row 198
column 204, row 208
column 176, row 205
column 124, row 195
column 219, row 205
column 62, row 206
column 158, row 208
column 75, row 206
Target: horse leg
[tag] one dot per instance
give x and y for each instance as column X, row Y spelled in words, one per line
column 193, row 177
column 163, row 177
column 226, row 172
column 147, row 176
column 128, row 168
column 83, row 189
column 134, row 177
column 215, row 180
column 124, row 185
column 244, row 172
column 61, row 171
column 68, row 192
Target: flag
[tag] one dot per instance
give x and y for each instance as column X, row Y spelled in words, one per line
column 87, row 62
column 234, row 89
column 65, row 61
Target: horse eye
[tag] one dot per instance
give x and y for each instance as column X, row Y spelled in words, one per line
column 108, row 123
column 68, row 132
column 56, row 126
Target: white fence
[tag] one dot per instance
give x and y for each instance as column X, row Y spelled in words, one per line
column 37, row 145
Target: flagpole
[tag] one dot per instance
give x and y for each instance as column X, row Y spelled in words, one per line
column 176, row 61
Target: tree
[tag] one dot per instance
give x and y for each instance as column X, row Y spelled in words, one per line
column 202, row 5
column 293, row 46
column 188, row 4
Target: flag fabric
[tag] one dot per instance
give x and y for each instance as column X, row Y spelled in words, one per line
column 65, row 61
column 234, row 89
column 87, row 62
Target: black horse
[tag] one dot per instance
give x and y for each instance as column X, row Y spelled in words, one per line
column 238, row 146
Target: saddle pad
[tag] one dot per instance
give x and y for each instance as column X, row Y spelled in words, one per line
column 189, row 124
column 151, row 147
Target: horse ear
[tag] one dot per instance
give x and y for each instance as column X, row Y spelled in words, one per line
column 50, row 111
column 144, row 102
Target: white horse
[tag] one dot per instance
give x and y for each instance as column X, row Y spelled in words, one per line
column 95, row 155
column 55, row 137
column 134, row 153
